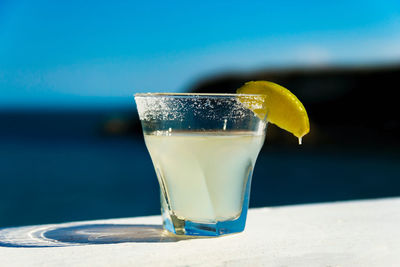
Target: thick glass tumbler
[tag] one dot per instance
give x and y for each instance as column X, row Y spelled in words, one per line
column 203, row 148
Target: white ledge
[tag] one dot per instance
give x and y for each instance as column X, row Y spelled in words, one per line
column 355, row 233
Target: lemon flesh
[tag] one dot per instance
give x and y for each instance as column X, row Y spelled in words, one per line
column 280, row 106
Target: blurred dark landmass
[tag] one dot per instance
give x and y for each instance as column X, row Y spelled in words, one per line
column 347, row 106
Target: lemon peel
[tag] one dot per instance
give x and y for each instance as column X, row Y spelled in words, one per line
column 277, row 105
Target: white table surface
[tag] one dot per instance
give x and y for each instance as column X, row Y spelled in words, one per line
column 355, row 233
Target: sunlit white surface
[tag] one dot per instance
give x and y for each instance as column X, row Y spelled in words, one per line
column 356, row 233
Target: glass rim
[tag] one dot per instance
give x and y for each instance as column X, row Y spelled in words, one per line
column 188, row 95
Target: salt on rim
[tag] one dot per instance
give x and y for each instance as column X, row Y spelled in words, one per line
column 174, row 106
column 192, row 94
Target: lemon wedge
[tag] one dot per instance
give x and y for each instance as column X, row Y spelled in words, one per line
column 278, row 105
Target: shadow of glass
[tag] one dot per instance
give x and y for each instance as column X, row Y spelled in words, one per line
column 62, row 236
column 111, row 234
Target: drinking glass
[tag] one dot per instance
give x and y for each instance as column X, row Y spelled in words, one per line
column 203, row 148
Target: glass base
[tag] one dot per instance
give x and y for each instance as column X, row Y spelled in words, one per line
column 179, row 226
column 185, row 227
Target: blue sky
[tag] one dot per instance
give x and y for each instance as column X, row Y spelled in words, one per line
column 98, row 52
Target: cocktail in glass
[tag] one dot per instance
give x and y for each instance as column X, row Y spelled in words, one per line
column 203, row 148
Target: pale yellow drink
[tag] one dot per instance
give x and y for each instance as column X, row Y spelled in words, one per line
column 204, row 173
